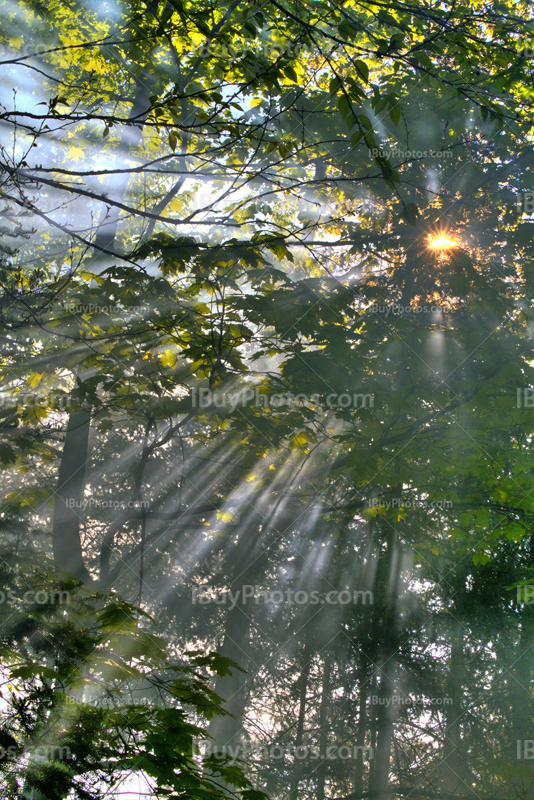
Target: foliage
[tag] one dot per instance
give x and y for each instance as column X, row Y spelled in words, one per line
column 242, row 199
column 90, row 695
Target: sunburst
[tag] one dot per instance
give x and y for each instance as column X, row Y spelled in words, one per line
column 443, row 243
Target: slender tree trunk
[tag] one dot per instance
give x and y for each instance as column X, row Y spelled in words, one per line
column 373, row 721
column 67, row 515
column 384, row 737
column 323, row 734
column 303, row 694
column 362, row 725
column 452, row 745
column 387, row 587
column 67, row 546
column 522, row 671
column 227, row 731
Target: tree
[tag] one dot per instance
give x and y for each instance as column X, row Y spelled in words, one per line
column 90, row 695
column 237, row 225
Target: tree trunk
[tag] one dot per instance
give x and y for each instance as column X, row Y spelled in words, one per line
column 323, row 736
column 227, row 731
column 384, row 735
column 387, row 587
column 451, row 747
column 362, row 725
column 303, row 693
column 68, row 507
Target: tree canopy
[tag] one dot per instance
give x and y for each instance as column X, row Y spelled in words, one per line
column 266, row 277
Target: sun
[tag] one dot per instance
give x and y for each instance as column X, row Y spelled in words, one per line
column 443, row 243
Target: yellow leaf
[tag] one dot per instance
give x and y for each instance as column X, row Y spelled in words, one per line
column 300, row 440
column 75, row 153
column 169, row 358
column 33, row 413
column 35, row 379
column 226, row 516
column 369, row 512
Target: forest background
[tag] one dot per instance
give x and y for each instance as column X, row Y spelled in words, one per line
column 266, row 411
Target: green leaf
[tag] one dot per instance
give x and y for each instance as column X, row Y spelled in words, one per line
column 411, row 213
column 362, row 70
column 395, row 114
column 344, row 106
column 355, row 139
column 335, row 83
column 7, row 454
column 291, row 74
